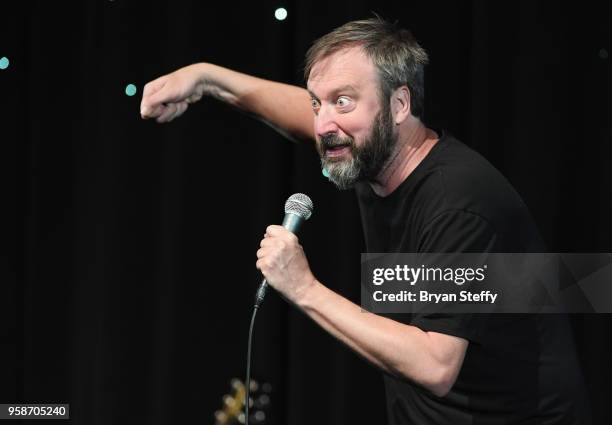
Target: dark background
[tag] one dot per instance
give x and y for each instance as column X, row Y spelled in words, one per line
column 129, row 254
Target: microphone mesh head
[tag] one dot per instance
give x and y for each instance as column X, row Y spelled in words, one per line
column 299, row 204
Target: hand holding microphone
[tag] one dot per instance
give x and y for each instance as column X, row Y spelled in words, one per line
column 281, row 258
column 282, row 261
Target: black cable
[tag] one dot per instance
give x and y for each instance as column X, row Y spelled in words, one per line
column 248, row 368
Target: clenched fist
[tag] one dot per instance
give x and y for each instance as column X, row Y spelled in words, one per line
column 169, row 96
column 283, row 263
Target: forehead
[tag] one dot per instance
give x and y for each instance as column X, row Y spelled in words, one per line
column 348, row 67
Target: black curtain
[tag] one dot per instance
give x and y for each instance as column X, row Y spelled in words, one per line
column 129, row 263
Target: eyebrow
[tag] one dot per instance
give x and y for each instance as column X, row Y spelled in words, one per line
column 344, row 88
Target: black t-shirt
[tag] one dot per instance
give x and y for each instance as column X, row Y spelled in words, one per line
column 518, row 369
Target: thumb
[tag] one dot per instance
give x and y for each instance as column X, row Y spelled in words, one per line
column 153, row 95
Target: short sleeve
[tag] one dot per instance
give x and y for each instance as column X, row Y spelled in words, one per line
column 456, row 231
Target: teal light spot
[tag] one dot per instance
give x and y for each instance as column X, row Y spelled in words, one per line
column 4, row 63
column 130, row 89
column 325, row 172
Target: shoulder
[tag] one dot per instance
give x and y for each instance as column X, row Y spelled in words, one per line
column 462, row 190
column 459, row 178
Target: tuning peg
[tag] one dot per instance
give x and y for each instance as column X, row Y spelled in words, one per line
column 254, row 385
column 241, row 418
column 266, row 387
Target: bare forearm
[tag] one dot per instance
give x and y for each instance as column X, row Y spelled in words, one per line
column 396, row 348
column 285, row 107
column 430, row 359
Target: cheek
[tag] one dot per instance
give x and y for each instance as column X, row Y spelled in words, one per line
column 357, row 126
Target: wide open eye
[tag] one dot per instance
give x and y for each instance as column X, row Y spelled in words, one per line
column 343, row 101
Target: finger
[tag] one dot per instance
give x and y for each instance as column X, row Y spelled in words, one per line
column 165, row 94
column 146, row 104
column 280, row 233
column 180, row 108
column 154, row 112
column 275, row 230
column 170, row 109
column 259, row 264
column 269, row 242
column 153, row 86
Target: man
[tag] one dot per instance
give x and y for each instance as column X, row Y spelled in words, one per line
column 419, row 191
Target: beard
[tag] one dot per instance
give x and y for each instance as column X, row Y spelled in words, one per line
column 365, row 162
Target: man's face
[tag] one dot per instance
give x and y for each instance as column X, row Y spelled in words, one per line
column 354, row 131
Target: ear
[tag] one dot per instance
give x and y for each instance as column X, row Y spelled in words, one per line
column 400, row 104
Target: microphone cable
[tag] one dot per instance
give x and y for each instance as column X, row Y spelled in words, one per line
column 259, row 297
column 298, row 208
column 247, row 396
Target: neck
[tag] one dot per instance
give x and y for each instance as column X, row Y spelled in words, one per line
column 414, row 143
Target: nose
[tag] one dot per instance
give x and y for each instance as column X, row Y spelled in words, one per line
column 325, row 122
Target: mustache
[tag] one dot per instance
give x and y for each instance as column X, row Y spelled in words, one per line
column 330, row 141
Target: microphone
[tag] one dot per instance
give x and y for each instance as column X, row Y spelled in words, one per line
column 298, row 209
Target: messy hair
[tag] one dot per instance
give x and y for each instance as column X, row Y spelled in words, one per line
column 394, row 52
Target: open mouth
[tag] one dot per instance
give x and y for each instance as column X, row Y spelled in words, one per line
column 336, row 151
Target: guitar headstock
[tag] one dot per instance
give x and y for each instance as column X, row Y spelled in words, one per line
column 232, row 412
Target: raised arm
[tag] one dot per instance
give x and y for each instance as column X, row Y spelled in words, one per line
column 284, row 107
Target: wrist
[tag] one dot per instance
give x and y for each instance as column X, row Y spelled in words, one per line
column 200, row 72
column 307, row 295
column 214, row 81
